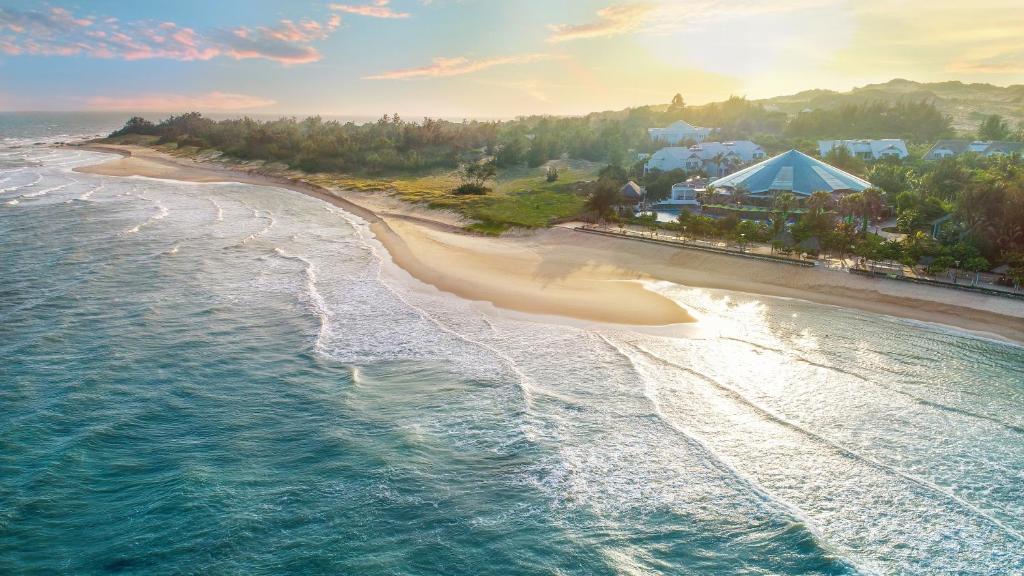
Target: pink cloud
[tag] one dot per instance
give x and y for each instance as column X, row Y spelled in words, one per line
column 288, row 42
column 58, row 32
column 167, row 102
column 378, row 9
column 443, row 67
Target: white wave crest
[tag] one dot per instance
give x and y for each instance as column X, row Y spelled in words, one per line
column 219, row 209
column 161, row 213
column 88, row 194
column 46, row 191
column 39, row 178
column 316, row 300
column 269, row 217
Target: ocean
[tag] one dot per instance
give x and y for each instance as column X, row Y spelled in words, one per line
column 225, row 378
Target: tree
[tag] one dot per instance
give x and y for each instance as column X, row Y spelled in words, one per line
column 842, row 158
column 993, row 127
column 892, row 177
column 740, row 194
column 675, row 108
column 784, row 204
column 818, row 202
column 474, row 177
column 851, row 205
column 136, row 125
column 615, row 173
column 871, row 205
column 604, row 195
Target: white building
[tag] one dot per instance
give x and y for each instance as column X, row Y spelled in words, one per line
column 713, row 158
column 679, row 132
column 950, row 148
column 687, row 193
column 867, row 149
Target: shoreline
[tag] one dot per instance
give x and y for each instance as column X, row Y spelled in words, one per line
column 560, row 272
column 424, row 249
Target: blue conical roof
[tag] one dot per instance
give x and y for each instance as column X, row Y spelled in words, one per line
column 795, row 172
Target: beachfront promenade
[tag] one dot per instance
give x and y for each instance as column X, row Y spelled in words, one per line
column 960, row 280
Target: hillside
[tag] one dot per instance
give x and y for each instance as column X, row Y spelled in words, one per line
column 967, row 104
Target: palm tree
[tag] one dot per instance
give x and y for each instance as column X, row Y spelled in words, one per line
column 784, row 204
column 850, row 205
column 739, row 194
column 818, row 202
column 871, row 200
column 718, row 159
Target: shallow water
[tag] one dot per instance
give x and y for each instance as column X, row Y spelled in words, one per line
column 229, row 378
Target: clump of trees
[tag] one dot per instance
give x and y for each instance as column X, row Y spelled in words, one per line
column 474, row 177
column 314, row 144
column 912, row 121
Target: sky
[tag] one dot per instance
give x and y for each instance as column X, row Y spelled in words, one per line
column 484, row 58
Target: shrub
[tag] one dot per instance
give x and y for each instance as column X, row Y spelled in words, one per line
column 470, row 189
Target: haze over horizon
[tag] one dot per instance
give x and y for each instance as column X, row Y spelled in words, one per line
column 484, row 59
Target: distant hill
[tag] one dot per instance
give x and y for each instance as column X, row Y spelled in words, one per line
column 967, row 104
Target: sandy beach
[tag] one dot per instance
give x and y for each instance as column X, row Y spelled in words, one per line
column 587, row 277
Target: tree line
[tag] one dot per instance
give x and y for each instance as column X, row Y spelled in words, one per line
column 393, row 144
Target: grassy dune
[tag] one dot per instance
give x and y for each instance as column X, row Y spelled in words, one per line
column 519, row 197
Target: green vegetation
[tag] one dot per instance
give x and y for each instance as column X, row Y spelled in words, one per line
column 913, row 121
column 994, row 128
column 533, row 171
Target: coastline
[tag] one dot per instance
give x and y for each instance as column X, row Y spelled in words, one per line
column 441, row 254
column 560, row 272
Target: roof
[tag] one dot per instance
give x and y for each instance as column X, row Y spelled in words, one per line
column 708, row 150
column 981, row 147
column 792, row 171
column 875, row 147
column 631, row 190
column 681, row 125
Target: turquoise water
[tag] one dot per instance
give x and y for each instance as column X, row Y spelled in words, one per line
column 221, row 378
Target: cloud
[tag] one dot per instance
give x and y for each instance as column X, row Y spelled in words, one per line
column 378, row 9
column 619, row 19
column 611, row 21
column 58, row 32
column 167, row 102
column 444, row 67
column 288, row 42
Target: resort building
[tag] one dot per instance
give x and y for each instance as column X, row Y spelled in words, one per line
column 949, row 148
column 679, row 133
column 867, row 149
column 791, row 171
column 712, row 158
column 686, row 194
